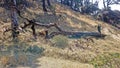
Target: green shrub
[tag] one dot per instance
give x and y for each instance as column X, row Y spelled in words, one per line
column 60, row 41
column 35, row 49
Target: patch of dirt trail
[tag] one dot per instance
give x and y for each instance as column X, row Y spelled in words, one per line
column 45, row 62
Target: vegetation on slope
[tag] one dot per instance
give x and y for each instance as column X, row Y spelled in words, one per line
column 88, row 52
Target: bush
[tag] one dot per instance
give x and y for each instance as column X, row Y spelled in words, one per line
column 35, row 49
column 60, row 41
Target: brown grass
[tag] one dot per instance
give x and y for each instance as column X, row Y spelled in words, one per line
column 78, row 53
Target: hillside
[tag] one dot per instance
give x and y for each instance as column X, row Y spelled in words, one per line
column 60, row 51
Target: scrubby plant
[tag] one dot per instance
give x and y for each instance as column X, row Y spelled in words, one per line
column 60, row 41
column 35, row 49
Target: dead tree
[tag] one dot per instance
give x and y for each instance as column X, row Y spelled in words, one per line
column 14, row 19
column 44, row 5
column 33, row 24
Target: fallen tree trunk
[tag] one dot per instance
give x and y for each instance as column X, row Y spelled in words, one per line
column 60, row 31
column 77, row 34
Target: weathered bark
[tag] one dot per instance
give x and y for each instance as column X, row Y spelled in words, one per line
column 71, row 4
column 14, row 19
column 34, row 31
column 104, row 4
column 62, row 32
column 44, row 7
column 48, row 1
column 44, row 3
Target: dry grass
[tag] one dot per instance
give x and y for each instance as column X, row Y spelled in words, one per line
column 79, row 53
column 109, row 60
column 13, row 61
column 59, row 63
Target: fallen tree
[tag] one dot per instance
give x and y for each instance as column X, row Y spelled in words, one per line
column 32, row 23
column 48, row 35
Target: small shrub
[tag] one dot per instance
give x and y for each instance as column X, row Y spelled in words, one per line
column 60, row 41
column 35, row 49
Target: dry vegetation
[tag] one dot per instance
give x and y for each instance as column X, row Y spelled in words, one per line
column 60, row 51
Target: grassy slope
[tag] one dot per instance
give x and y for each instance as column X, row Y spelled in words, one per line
column 80, row 53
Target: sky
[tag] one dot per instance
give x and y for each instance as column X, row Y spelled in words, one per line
column 113, row 7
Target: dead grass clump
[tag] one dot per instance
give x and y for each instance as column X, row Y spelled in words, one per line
column 4, row 60
column 8, row 61
column 22, row 59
